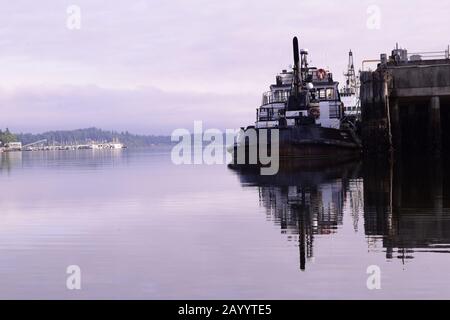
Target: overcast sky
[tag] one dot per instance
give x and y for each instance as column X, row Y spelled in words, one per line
column 156, row 65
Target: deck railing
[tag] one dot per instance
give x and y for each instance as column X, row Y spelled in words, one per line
column 431, row 55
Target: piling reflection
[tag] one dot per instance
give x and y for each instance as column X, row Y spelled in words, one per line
column 9, row 160
column 407, row 205
column 404, row 204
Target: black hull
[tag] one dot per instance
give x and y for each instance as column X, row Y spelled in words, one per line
column 311, row 143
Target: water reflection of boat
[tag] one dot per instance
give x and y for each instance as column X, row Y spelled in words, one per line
column 305, row 199
column 405, row 204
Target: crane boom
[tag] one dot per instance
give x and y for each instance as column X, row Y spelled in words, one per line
column 33, row 143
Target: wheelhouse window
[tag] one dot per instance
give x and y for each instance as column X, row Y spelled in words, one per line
column 275, row 97
column 330, row 94
column 326, row 94
column 322, row 94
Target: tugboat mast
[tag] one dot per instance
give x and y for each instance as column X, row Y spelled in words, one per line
column 296, row 68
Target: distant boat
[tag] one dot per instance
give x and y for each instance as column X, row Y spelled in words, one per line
column 108, row 145
column 13, row 146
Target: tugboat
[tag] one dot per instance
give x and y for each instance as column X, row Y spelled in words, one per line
column 304, row 105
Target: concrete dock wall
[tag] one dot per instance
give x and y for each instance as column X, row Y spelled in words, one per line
column 405, row 107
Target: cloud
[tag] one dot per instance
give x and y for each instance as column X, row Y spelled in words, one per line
column 227, row 51
column 144, row 110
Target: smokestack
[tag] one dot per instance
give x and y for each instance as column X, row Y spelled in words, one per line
column 296, row 66
column 296, row 55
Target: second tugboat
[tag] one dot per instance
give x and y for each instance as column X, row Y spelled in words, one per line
column 305, row 106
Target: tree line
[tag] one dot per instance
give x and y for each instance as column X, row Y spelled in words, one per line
column 83, row 136
column 6, row 137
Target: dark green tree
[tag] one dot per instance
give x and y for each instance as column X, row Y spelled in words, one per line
column 6, row 136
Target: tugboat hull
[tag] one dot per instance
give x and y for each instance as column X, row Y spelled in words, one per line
column 311, row 143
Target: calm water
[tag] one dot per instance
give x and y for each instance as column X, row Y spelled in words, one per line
column 140, row 227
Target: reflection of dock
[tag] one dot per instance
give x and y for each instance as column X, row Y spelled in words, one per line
column 407, row 205
column 9, row 160
column 15, row 161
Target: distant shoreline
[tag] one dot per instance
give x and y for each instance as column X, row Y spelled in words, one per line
column 90, row 135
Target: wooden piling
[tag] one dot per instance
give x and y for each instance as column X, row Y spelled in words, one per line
column 434, row 125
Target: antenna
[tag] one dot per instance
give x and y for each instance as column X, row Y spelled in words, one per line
column 350, row 75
